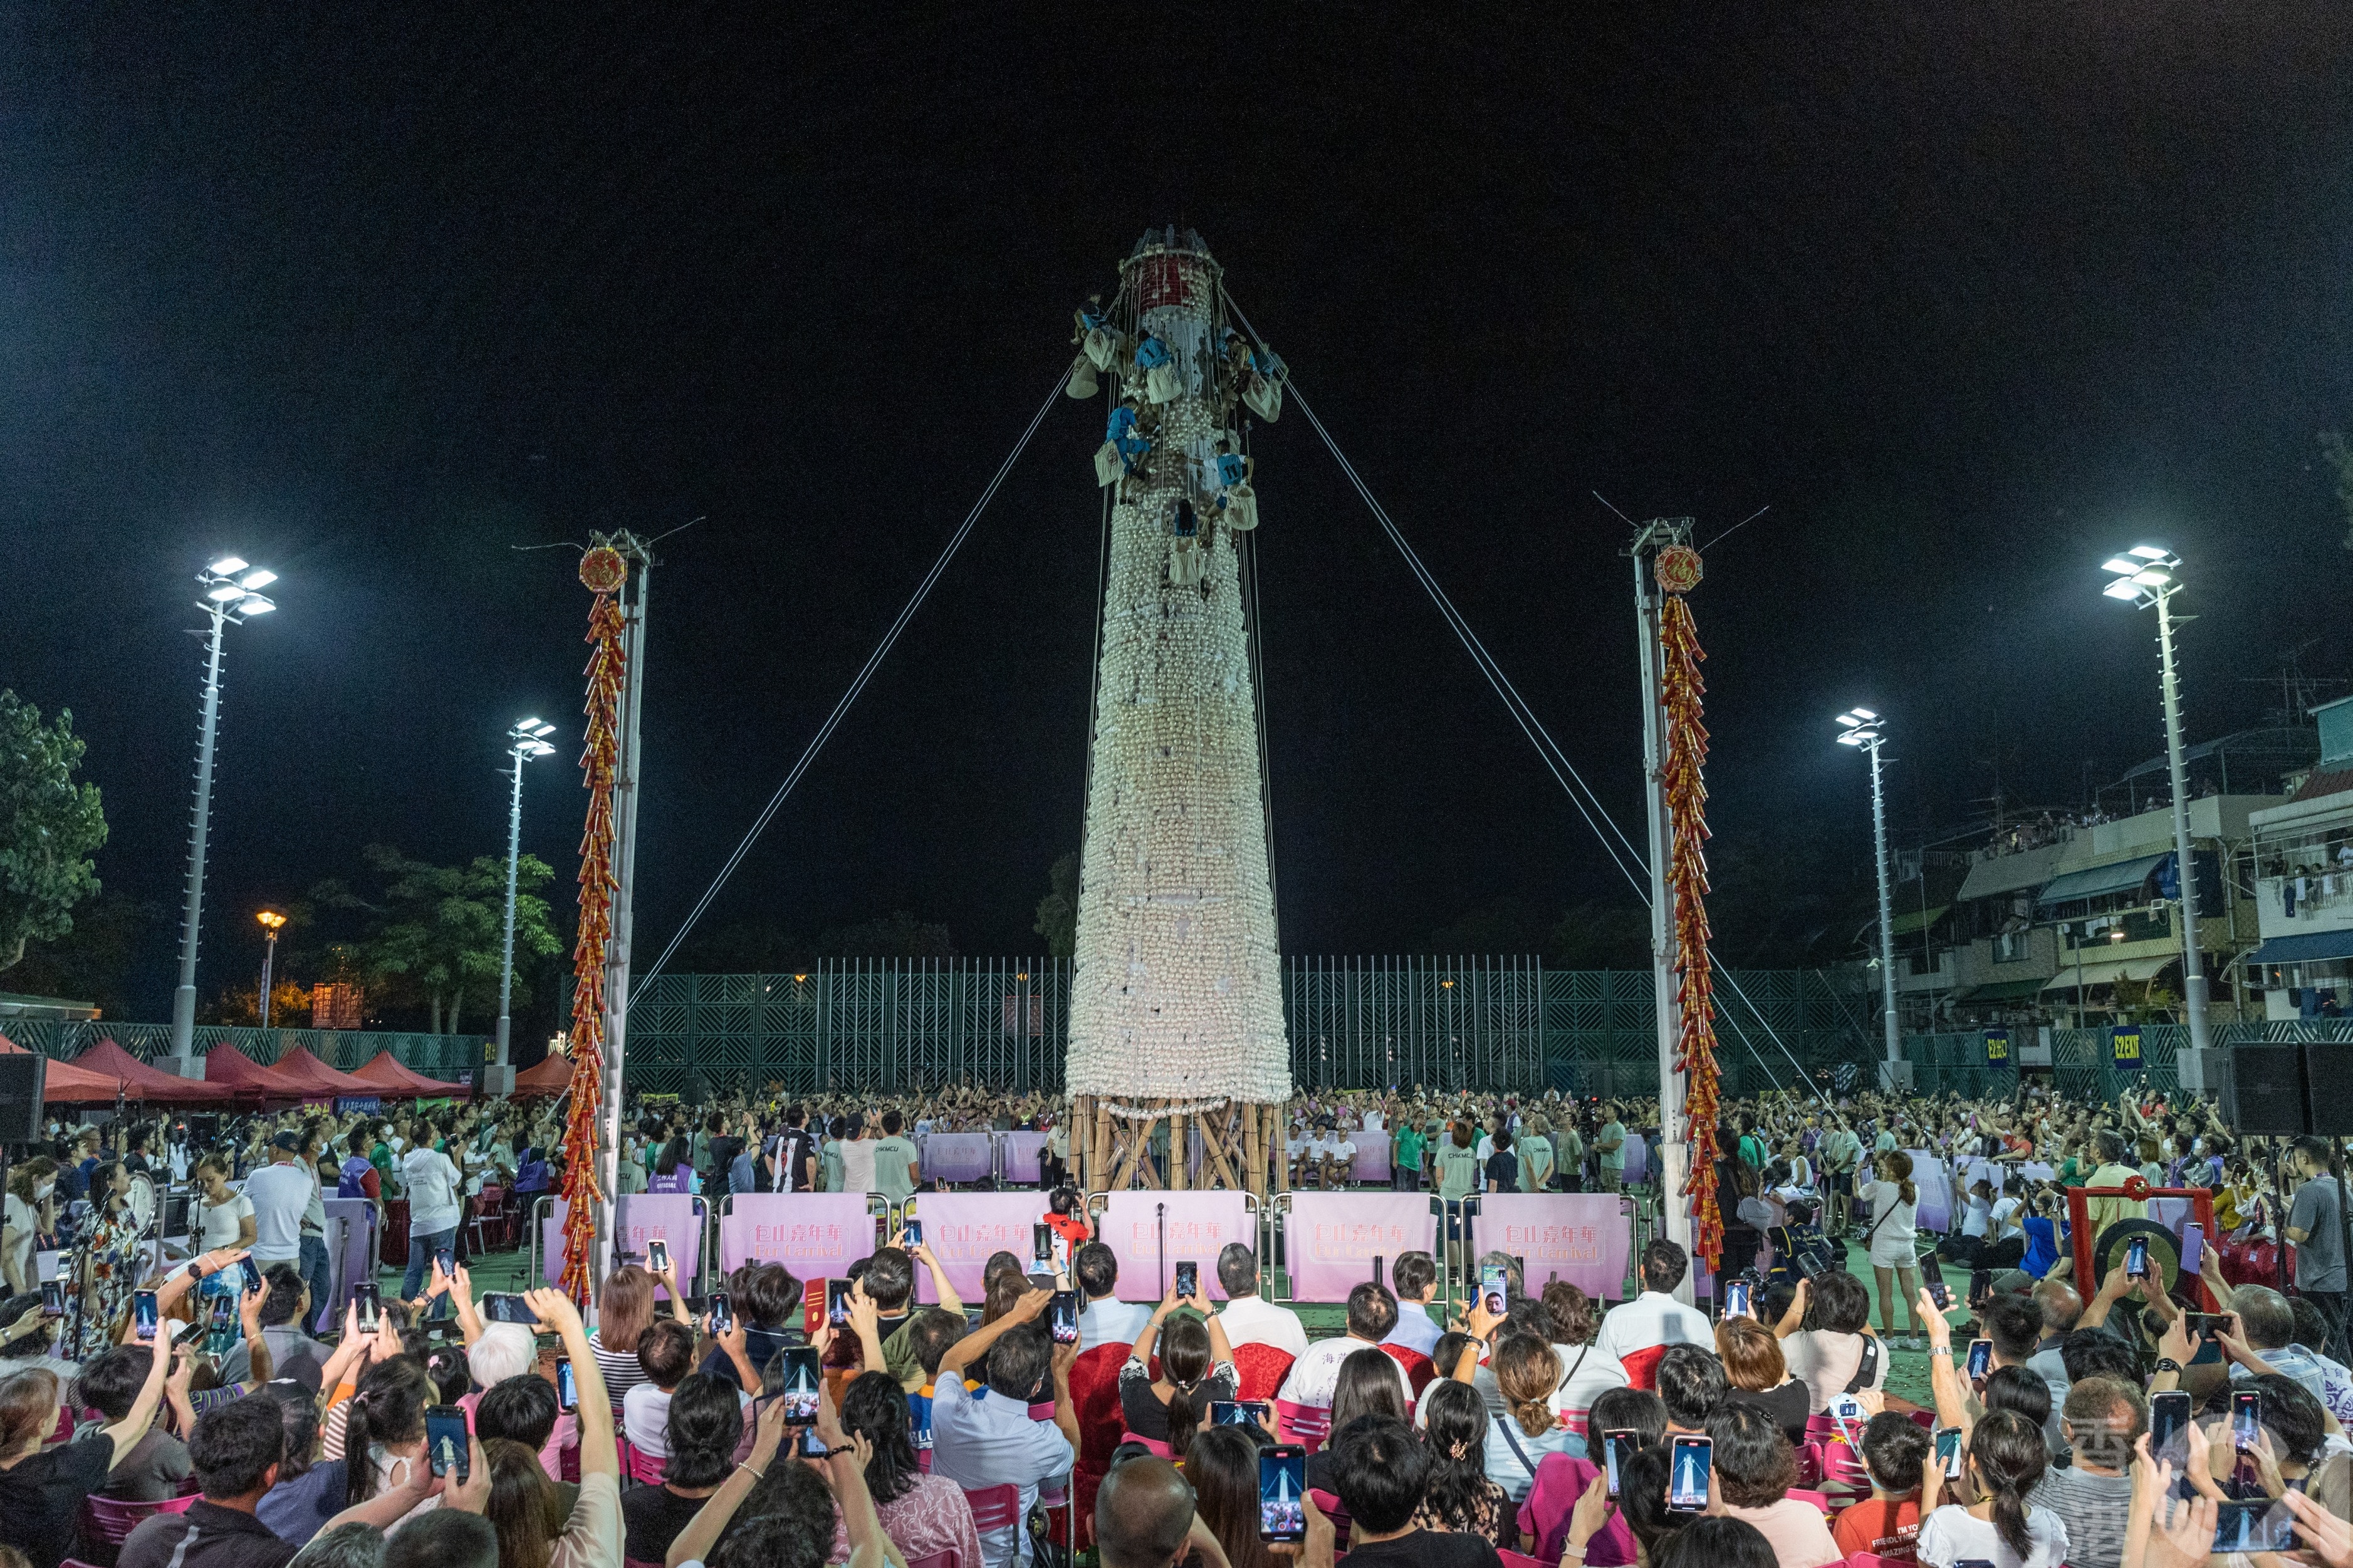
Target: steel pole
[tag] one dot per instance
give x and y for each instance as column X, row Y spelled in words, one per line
column 626, row 776
column 1886, row 920
column 183, row 999
column 2193, row 969
column 514, row 853
column 1674, row 1133
column 269, row 958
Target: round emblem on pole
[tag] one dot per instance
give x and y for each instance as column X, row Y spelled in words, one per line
column 1678, row 568
column 602, row 570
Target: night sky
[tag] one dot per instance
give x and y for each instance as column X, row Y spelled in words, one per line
column 1968, row 296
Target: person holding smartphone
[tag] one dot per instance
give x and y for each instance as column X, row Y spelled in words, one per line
column 1196, row 1370
column 41, row 1490
column 980, row 1443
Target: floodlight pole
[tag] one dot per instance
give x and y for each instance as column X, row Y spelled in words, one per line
column 2193, row 968
column 522, row 749
column 268, row 962
column 183, row 999
column 1886, row 917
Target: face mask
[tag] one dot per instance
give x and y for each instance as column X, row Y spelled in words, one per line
column 42, row 1191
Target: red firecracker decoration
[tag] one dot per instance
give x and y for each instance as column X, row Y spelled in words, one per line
column 1686, row 794
column 603, row 572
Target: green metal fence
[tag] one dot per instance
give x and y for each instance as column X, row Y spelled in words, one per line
column 2080, row 1065
column 450, row 1057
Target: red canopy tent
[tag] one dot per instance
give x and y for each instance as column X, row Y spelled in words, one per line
column 231, row 1072
column 552, row 1076
column 70, row 1085
column 153, row 1082
column 384, row 1071
column 299, row 1066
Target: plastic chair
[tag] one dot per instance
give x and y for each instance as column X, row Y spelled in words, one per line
column 111, row 1521
column 1873, row 1560
column 995, row 1507
column 1819, row 1500
column 951, row 1558
column 1418, row 1368
column 1329, row 1505
column 1522, row 1560
column 1560, row 1479
column 486, row 1214
column 1094, row 1398
column 1261, row 1369
column 1305, row 1424
column 646, row 1467
column 1159, row 1450
column 1038, row 1412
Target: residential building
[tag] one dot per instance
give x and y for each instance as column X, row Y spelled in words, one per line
column 2303, row 862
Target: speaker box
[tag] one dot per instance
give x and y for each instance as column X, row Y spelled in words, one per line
column 22, row 1076
column 2328, row 1086
column 2267, row 1088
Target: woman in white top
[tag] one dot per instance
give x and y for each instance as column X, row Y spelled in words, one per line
column 226, row 1217
column 2007, row 1459
column 1894, row 1205
column 1527, row 1374
column 1825, row 1337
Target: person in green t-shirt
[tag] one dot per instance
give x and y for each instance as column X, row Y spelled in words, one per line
column 898, row 1165
column 1460, row 1175
column 1405, row 1158
column 1609, row 1144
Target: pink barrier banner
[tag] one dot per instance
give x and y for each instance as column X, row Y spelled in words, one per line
column 817, row 1236
column 1372, row 1156
column 1025, row 1154
column 959, row 1156
column 1197, row 1226
column 1332, row 1238
column 643, row 1217
column 1584, row 1238
column 961, row 1229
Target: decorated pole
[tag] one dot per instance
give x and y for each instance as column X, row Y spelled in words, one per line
column 625, row 778
column 604, row 572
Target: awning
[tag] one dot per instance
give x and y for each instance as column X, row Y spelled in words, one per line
column 2305, row 949
column 2109, row 973
column 1918, row 919
column 2001, row 990
column 2092, row 881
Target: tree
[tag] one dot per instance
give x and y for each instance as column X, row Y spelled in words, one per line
column 50, row 827
column 896, row 935
column 437, row 929
column 1057, row 911
column 2339, row 456
column 93, row 961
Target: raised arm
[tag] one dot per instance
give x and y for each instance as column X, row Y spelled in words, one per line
column 125, row 1434
column 598, row 1457
column 1795, row 1318
column 967, row 1350
column 461, row 1296
column 1944, row 1379
column 257, row 1348
column 939, row 1286
column 694, row 1543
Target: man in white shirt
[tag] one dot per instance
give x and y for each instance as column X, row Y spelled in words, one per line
column 1105, row 1319
column 980, row 1442
column 1372, row 1313
column 315, row 1272
column 1336, row 1159
column 1416, row 1274
column 433, row 1185
column 1636, row 1333
column 1246, row 1319
column 281, row 1194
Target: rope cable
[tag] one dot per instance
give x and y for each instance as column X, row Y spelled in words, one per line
column 874, row 662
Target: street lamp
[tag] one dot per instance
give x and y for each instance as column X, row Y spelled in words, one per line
column 231, row 598
column 271, row 920
column 1861, row 727
column 526, row 741
column 2147, row 576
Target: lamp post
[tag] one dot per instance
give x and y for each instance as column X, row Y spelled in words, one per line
column 1861, row 727
column 2147, row 576
column 230, row 599
column 525, row 741
column 270, row 921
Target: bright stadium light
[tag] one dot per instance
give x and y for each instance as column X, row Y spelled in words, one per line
column 1863, row 728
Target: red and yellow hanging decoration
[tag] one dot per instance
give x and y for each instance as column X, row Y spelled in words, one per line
column 1681, row 690
column 603, row 573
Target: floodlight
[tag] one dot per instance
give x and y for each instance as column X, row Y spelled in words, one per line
column 2150, row 552
column 2152, row 578
column 1848, row 719
column 261, row 577
column 2122, row 588
column 224, row 593
column 530, row 723
column 2120, row 565
column 1863, row 713
column 226, row 565
column 544, row 730
column 255, row 605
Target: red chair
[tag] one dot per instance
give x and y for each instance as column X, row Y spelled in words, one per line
column 1044, row 1412
column 646, row 1467
column 1642, row 1367
column 1262, row 1368
column 1159, row 1450
column 995, row 1507
column 1560, row 1481
column 1306, row 1424
column 1094, row 1398
column 1818, row 1500
column 111, row 1522
column 1329, row 1505
column 1418, row 1370
column 1873, row 1560
column 951, row 1558
column 1522, row 1560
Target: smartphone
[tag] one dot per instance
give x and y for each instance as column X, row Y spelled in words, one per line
column 1041, row 1243
column 802, row 1380
column 722, row 1312
column 2243, row 1527
column 1236, row 1412
column 1688, row 1463
column 913, row 1232
column 252, row 1274
column 369, row 1302
column 447, row 1260
column 143, row 1314
column 1980, row 1359
column 1283, row 1493
column 1735, row 1297
column 657, row 1254
column 2168, row 1415
column 1614, row 1446
column 445, row 1440
column 53, row 1299
column 567, row 1386
column 2137, row 1257
column 2246, row 1420
column 812, row 1445
column 1188, row 1280
column 1948, row 1450
column 504, row 1306
column 224, row 1321
column 837, row 1302
column 1494, row 1287
column 1063, row 1313
column 1932, row 1279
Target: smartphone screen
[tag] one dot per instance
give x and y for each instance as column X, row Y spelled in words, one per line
column 1283, row 1493
column 1188, row 1280
column 657, row 1254
column 1735, row 1297
column 53, row 1299
column 143, row 1314
column 445, row 1440
column 1932, row 1279
column 1064, row 1313
column 447, row 1260
column 812, row 1445
column 2194, row 1248
column 1494, row 1286
column 2244, row 1527
column 1041, row 1243
column 1614, row 1445
column 1948, row 1450
column 2136, row 1258
column 1235, row 1412
column 567, row 1388
column 1688, row 1465
column 504, row 1307
column 252, row 1272
column 1980, row 1359
column 837, row 1302
column 2246, row 1420
column 2168, row 1415
column 914, row 1232
column 802, row 1380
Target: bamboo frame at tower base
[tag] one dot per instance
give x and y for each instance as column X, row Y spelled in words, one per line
column 1114, row 1152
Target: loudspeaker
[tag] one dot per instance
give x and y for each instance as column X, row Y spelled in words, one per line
column 2328, row 1088
column 2267, row 1088
column 22, row 1074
